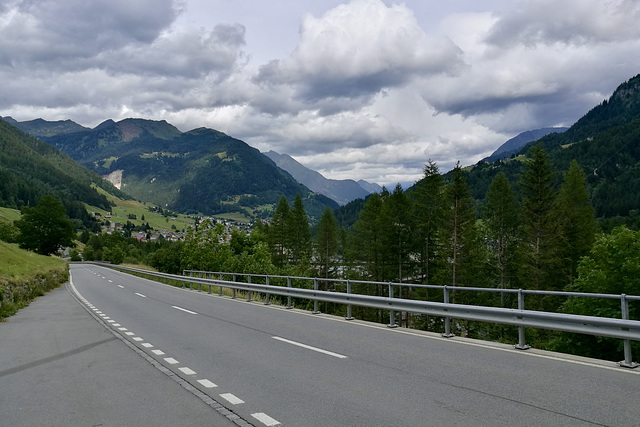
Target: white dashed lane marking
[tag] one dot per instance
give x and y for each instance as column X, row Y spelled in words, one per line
column 265, row 419
column 206, row 383
column 187, row 371
column 308, row 347
column 229, row 397
column 234, row 400
column 183, row 309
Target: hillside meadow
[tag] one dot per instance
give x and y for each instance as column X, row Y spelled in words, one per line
column 25, row 276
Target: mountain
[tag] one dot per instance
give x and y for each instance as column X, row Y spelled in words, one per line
column 370, row 187
column 514, row 145
column 40, row 127
column 342, row 191
column 605, row 142
column 200, row 171
column 31, row 168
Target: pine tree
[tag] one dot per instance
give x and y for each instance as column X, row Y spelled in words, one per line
column 397, row 223
column 429, row 199
column 502, row 220
column 539, row 230
column 577, row 222
column 299, row 232
column 327, row 236
column 278, row 234
column 459, row 232
column 364, row 243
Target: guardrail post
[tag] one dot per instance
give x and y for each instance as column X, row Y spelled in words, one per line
column 315, row 301
column 209, row 278
column 184, row 283
column 220, row 288
column 289, row 306
column 628, row 361
column 249, row 293
column 349, row 317
column 392, row 314
column 200, row 284
column 233, row 290
column 447, row 320
column 266, row 302
column 521, row 341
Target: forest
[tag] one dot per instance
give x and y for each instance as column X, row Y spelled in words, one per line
column 539, row 235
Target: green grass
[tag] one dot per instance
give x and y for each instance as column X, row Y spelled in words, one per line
column 18, row 264
column 122, row 208
column 7, row 214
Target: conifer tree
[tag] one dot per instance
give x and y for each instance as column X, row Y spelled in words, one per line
column 459, row 229
column 365, row 245
column 327, row 237
column 577, row 222
column 278, row 234
column 299, row 232
column 539, row 230
column 397, row 220
column 429, row 200
column 502, row 220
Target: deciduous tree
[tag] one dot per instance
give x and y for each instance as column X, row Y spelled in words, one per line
column 45, row 227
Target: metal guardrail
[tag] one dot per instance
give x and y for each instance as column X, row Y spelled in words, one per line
column 625, row 329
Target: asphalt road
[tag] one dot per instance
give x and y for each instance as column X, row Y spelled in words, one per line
column 271, row 366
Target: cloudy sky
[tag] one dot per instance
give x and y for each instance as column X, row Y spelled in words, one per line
column 361, row 89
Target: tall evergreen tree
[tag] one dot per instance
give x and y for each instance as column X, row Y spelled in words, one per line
column 365, row 244
column 397, row 220
column 502, row 220
column 459, row 234
column 539, row 230
column 299, row 232
column 577, row 222
column 278, row 233
column 428, row 205
column 327, row 238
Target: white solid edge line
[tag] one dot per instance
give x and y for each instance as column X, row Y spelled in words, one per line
column 183, row 309
column 308, row 347
column 265, row 419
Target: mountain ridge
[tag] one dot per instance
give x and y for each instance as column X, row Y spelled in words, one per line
column 342, row 191
column 200, row 171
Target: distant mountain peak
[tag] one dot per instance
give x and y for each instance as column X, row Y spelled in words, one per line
column 514, row 145
column 40, row 127
column 342, row 191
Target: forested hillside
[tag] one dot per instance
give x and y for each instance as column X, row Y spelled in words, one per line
column 606, row 144
column 30, row 169
column 200, row 171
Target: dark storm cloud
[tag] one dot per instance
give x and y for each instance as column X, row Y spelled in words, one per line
column 59, row 33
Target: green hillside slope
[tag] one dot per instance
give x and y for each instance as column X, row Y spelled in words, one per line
column 200, row 171
column 30, row 169
column 606, row 144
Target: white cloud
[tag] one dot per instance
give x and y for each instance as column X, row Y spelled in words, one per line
column 367, row 89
